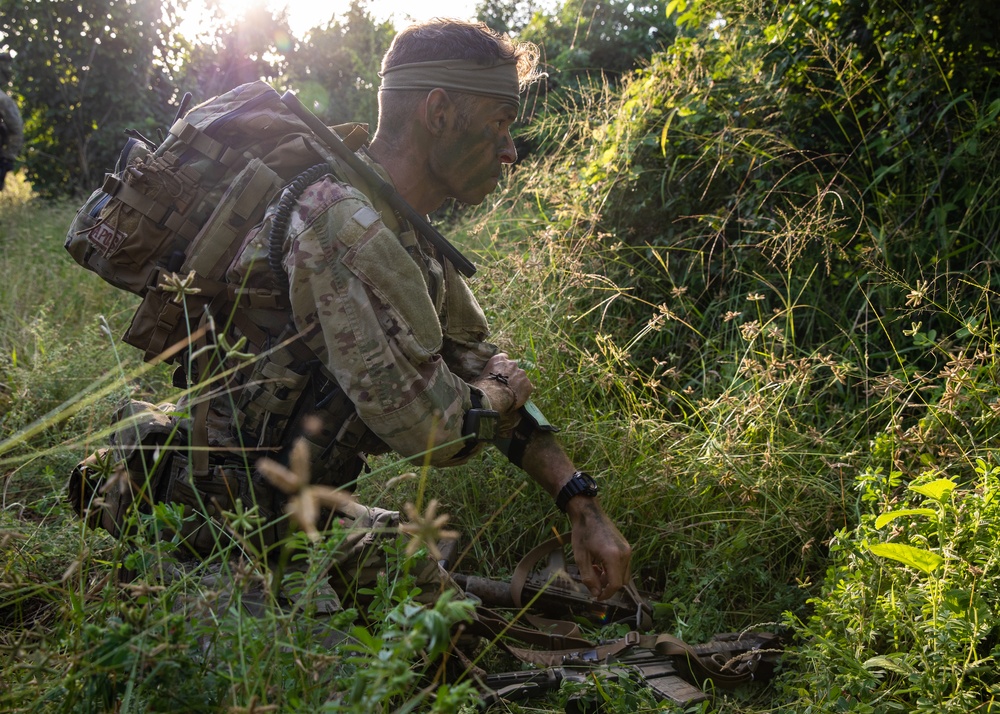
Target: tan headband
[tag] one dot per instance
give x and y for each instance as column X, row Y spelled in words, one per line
column 498, row 80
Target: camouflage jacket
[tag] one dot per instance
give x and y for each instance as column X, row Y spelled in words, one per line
column 396, row 327
column 11, row 129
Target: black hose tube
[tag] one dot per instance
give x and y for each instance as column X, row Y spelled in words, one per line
column 283, row 216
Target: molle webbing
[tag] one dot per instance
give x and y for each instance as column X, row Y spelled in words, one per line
column 237, row 211
column 182, row 208
column 218, row 151
column 277, row 381
column 286, row 384
column 164, row 214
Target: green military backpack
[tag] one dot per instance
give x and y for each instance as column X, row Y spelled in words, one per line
column 171, row 217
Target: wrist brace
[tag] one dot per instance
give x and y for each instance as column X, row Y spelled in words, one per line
column 532, row 420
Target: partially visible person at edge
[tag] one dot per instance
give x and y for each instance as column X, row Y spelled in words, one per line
column 392, row 325
column 11, row 128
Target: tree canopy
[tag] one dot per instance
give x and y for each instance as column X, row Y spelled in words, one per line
column 87, row 71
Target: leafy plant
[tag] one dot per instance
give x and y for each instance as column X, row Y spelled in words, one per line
column 914, row 630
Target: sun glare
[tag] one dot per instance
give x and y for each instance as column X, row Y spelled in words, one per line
column 303, row 15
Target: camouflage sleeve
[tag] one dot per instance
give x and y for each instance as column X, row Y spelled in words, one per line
column 11, row 118
column 465, row 348
column 380, row 334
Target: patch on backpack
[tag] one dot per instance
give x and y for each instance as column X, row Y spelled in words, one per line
column 106, row 239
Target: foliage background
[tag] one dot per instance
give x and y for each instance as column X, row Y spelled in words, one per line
column 748, row 257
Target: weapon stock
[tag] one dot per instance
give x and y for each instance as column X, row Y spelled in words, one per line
column 545, row 583
column 752, row 654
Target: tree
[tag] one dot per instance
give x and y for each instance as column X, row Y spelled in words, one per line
column 335, row 71
column 507, row 16
column 608, row 37
column 236, row 50
column 84, row 71
column 584, row 43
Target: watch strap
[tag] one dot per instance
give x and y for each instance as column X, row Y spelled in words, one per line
column 579, row 484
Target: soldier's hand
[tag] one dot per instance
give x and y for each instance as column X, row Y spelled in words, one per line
column 601, row 552
column 515, row 386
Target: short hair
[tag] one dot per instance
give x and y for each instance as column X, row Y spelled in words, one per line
column 446, row 39
column 443, row 39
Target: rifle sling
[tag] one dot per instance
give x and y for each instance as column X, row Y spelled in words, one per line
column 701, row 668
column 490, row 624
column 522, row 573
column 558, row 642
column 584, row 652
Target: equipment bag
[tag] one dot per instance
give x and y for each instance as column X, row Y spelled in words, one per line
column 170, row 218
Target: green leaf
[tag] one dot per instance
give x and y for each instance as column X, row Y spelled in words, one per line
column 893, row 515
column 894, row 662
column 935, row 489
column 923, row 560
column 676, row 6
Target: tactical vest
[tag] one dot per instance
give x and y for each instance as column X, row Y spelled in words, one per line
column 286, row 385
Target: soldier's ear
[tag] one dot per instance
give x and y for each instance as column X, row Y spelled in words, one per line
column 438, row 111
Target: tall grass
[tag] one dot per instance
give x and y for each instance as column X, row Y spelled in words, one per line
column 782, row 340
column 788, row 395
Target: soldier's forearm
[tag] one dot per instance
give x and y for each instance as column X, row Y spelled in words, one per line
column 547, row 463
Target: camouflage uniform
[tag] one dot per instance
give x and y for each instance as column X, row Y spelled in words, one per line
column 11, row 135
column 388, row 337
column 379, row 343
column 388, row 329
column 397, row 328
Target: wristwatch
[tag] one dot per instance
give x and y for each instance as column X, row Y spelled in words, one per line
column 580, row 484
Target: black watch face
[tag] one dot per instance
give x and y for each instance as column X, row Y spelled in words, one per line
column 584, row 485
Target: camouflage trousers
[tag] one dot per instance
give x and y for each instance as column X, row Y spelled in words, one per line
column 231, row 513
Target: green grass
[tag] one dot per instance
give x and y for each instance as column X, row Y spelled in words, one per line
column 768, row 398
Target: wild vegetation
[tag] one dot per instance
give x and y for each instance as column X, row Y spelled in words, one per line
column 753, row 283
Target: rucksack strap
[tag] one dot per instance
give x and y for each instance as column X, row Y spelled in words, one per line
column 157, row 212
column 554, row 547
column 205, row 145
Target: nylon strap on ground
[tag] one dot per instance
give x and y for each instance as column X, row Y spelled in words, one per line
column 524, row 569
